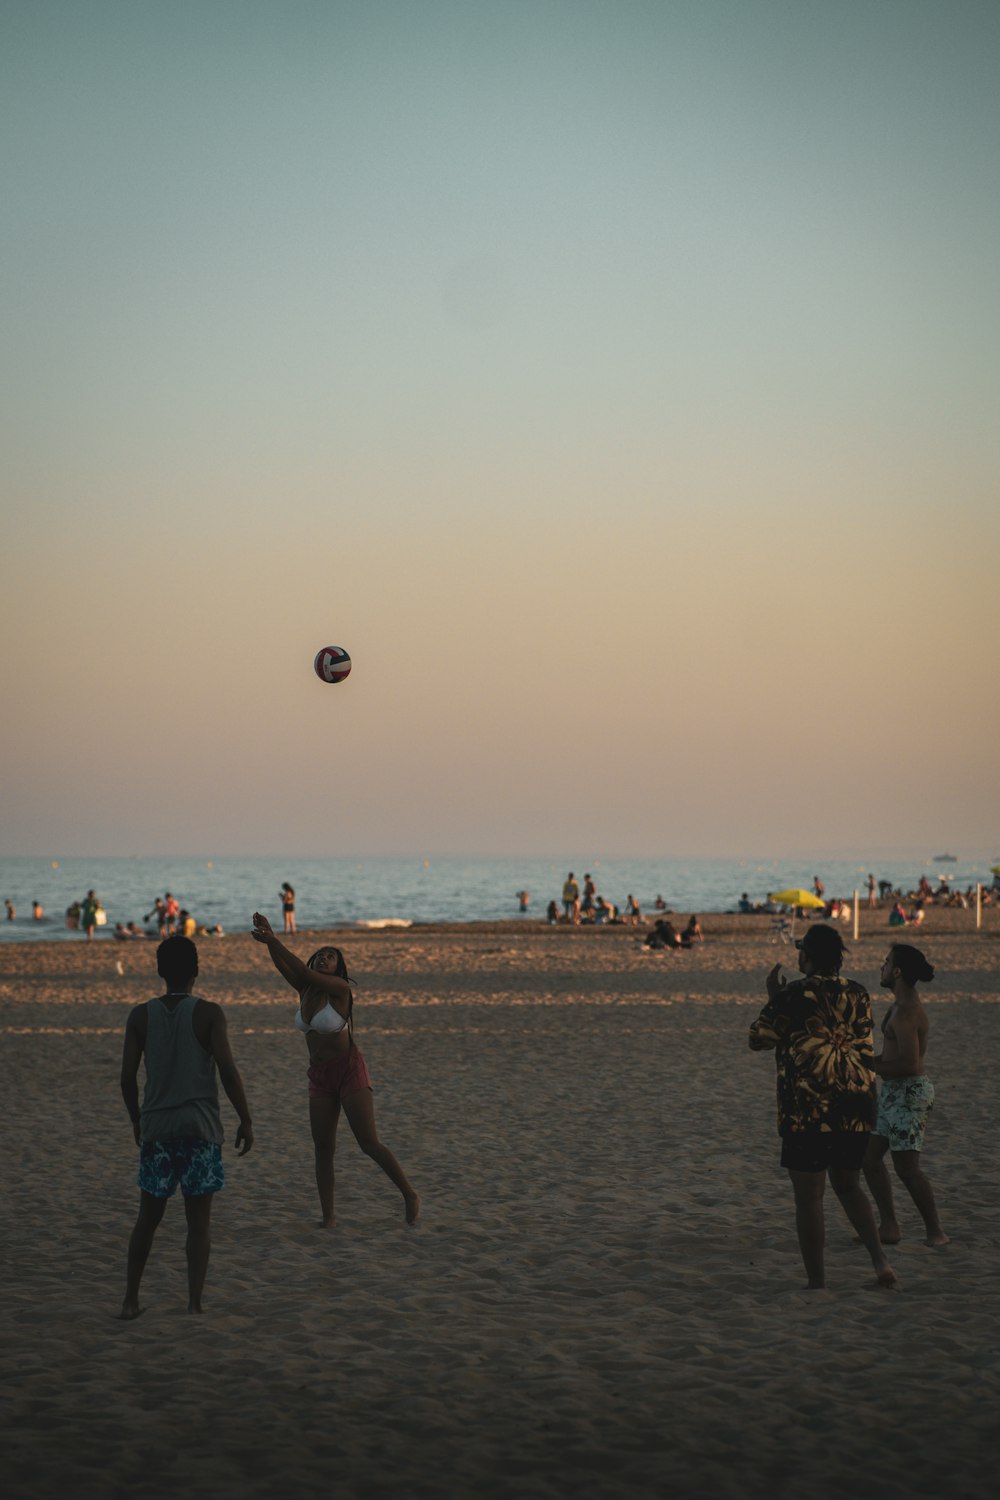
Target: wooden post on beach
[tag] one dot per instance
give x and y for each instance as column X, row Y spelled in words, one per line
column 979, row 904
column 857, row 913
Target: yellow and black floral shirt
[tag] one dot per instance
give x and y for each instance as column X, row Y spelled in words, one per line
column 821, row 1030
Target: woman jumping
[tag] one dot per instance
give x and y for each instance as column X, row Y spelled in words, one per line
column 338, row 1073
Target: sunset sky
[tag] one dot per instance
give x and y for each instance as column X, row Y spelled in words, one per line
column 616, row 382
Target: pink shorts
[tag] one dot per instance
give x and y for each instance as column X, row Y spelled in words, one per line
column 346, row 1075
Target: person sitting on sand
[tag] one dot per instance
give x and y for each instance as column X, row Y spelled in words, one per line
column 820, row 1027
column 897, row 916
column 906, row 1096
column 692, row 933
column 663, row 935
column 338, row 1074
column 179, row 1128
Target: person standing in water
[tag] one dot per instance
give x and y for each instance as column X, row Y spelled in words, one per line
column 287, row 895
column 338, row 1074
column 906, row 1096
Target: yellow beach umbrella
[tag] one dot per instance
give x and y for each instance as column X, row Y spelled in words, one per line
column 995, row 869
column 795, row 898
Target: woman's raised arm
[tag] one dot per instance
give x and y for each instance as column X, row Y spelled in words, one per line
column 288, row 965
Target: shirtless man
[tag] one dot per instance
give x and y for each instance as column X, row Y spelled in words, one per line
column 905, row 1097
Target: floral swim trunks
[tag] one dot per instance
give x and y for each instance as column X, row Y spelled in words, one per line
column 903, row 1107
column 195, row 1164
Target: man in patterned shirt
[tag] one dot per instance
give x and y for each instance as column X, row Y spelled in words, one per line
column 820, row 1028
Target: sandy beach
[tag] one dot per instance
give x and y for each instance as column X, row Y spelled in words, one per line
column 603, row 1296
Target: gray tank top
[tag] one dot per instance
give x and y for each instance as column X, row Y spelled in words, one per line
column 181, row 1097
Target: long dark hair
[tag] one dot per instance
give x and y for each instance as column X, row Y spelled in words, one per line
column 911, row 963
column 340, row 972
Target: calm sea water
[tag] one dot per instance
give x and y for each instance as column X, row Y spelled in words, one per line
column 345, row 891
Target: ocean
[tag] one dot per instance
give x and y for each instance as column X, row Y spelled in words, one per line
column 344, row 892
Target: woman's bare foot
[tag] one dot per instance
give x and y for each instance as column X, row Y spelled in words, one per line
column 130, row 1310
column 938, row 1240
column 888, row 1280
column 412, row 1202
column 327, row 1224
column 889, row 1234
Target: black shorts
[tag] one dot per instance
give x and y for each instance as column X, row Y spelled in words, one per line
column 816, row 1150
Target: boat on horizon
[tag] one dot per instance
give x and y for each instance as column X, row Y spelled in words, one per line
column 945, row 859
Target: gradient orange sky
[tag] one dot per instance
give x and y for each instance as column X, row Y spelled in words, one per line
column 616, row 382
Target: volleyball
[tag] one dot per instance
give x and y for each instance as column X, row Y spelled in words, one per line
column 332, row 664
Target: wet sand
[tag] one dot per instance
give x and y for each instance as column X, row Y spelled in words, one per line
column 603, row 1296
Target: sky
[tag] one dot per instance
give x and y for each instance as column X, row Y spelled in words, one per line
column 615, row 381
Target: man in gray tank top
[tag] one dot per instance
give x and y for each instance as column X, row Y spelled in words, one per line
column 179, row 1128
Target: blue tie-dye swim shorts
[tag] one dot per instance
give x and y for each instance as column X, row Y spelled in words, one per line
column 193, row 1163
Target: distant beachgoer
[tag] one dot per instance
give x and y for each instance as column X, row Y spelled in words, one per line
column 659, row 904
column 820, row 1027
column 906, row 1097
column 818, row 887
column 171, row 911
column 587, row 903
column 663, row 935
column 186, row 924
column 88, row 914
column 160, row 913
column 745, row 904
column 871, row 891
column 523, row 897
column 692, row 933
column 338, row 1073
column 73, row 916
column 552, row 914
column 633, row 911
column 11, row 910
column 37, row 911
column 287, row 895
column 179, row 1128
column 571, row 898
column 897, row 916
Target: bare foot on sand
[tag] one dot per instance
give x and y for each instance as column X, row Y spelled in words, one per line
column 412, row 1208
column 888, row 1280
column 890, row 1235
column 938, row 1241
column 130, row 1310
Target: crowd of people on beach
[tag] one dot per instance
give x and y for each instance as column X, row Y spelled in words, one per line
column 842, row 1108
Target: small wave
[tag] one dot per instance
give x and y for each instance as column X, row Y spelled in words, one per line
column 385, row 922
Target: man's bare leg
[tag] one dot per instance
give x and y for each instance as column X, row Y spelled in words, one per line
column 854, row 1201
column 809, row 1188
column 910, row 1174
column 199, row 1218
column 141, row 1242
column 880, row 1185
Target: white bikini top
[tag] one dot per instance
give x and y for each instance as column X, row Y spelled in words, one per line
column 325, row 1019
